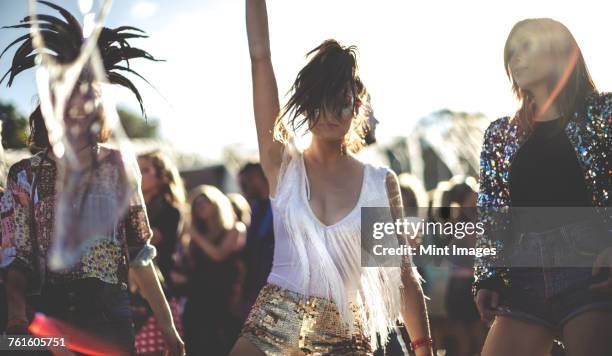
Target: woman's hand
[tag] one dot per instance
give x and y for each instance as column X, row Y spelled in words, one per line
column 602, row 265
column 193, row 232
column 21, row 196
column 233, row 241
column 486, row 303
column 174, row 344
column 150, row 288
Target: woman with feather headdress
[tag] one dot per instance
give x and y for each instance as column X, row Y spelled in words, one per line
column 91, row 293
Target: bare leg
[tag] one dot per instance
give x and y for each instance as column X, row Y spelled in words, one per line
column 478, row 332
column 243, row 347
column 462, row 338
column 589, row 334
column 509, row 337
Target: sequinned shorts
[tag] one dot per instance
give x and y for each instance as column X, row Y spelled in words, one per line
column 282, row 322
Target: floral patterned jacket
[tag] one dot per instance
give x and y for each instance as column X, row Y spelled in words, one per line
column 107, row 258
column 589, row 135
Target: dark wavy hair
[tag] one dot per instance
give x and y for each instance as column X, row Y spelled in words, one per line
column 324, row 84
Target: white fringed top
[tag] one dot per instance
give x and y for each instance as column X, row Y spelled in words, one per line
column 315, row 259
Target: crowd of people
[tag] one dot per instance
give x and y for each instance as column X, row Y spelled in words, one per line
column 215, row 252
column 114, row 253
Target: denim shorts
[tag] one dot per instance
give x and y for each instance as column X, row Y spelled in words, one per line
column 547, row 292
column 99, row 308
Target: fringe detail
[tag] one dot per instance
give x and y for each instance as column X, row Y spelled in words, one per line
column 377, row 289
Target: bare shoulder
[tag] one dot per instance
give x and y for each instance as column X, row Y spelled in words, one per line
column 357, row 163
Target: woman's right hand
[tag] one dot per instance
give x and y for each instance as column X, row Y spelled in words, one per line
column 486, row 302
column 174, row 345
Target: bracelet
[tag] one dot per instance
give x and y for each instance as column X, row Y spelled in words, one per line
column 425, row 341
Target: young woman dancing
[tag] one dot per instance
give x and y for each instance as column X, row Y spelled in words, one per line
column 318, row 298
column 554, row 152
column 92, row 294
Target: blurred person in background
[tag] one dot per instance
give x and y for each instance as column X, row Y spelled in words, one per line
column 164, row 196
column 241, row 207
column 260, row 234
column 414, row 195
column 435, row 272
column 216, row 241
column 466, row 329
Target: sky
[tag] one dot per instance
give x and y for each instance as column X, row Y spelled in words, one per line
column 416, row 57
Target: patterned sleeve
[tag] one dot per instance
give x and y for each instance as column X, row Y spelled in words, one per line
column 487, row 272
column 7, row 250
column 138, row 231
column 607, row 135
column 17, row 247
column 607, row 147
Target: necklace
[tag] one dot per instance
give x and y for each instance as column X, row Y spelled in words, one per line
column 93, row 147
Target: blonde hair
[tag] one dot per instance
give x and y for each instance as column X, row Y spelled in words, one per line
column 571, row 84
column 225, row 217
column 241, row 207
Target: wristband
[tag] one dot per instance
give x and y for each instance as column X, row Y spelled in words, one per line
column 425, row 341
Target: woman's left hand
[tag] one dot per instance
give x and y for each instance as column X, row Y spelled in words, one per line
column 602, row 264
column 174, row 344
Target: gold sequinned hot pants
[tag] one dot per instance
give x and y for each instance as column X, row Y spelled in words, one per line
column 282, row 322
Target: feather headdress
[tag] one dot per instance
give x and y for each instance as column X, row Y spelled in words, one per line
column 63, row 40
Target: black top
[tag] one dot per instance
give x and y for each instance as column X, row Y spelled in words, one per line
column 545, row 172
column 259, row 249
column 165, row 217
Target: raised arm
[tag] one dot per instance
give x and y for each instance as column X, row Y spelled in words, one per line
column 265, row 93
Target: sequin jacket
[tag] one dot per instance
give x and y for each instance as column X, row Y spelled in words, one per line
column 589, row 135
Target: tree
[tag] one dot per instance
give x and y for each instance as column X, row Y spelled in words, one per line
column 14, row 127
column 136, row 126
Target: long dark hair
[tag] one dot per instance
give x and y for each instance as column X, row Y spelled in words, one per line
column 571, row 85
column 323, row 84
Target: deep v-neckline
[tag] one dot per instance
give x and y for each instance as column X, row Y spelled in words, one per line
column 306, row 187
